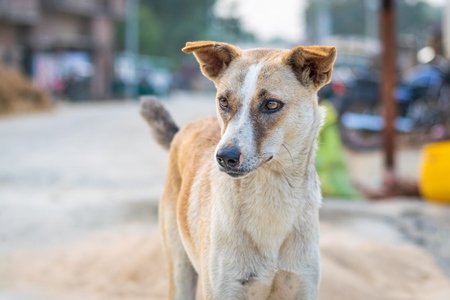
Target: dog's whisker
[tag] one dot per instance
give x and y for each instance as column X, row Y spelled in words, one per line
column 293, row 163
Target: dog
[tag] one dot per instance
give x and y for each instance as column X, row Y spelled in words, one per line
column 240, row 206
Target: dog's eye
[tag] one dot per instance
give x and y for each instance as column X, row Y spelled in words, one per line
column 223, row 102
column 272, row 106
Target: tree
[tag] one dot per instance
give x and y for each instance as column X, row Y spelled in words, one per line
column 150, row 34
column 166, row 25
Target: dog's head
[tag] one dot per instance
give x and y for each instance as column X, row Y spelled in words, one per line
column 266, row 99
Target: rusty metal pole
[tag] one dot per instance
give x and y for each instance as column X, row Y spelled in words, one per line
column 388, row 79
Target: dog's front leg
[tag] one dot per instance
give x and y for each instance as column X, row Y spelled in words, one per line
column 238, row 274
column 309, row 287
column 309, row 275
column 299, row 264
column 247, row 287
column 294, row 286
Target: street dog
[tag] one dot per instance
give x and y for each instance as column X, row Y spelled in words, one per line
column 241, row 200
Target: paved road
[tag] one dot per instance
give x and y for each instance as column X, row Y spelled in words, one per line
column 81, row 167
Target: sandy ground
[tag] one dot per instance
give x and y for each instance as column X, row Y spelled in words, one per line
column 78, row 214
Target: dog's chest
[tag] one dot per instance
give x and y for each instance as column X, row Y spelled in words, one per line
column 262, row 230
column 263, row 210
column 256, row 226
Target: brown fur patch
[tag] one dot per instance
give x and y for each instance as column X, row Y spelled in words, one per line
column 213, row 57
column 312, row 64
column 195, row 144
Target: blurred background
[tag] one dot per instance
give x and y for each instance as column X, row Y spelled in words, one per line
column 91, row 50
column 80, row 176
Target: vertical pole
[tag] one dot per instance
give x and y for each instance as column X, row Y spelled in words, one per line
column 132, row 43
column 388, row 79
column 371, row 8
column 323, row 21
column 208, row 20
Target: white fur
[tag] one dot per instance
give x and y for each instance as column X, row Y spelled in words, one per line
column 249, row 86
column 240, row 131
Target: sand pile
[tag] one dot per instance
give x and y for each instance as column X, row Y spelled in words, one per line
column 132, row 268
column 376, row 271
column 129, row 267
column 17, row 93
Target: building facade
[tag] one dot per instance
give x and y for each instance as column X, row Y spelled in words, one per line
column 63, row 41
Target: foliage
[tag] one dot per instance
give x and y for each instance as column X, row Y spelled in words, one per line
column 230, row 29
column 166, row 25
column 181, row 21
column 150, row 32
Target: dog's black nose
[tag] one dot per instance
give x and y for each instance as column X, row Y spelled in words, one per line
column 228, row 157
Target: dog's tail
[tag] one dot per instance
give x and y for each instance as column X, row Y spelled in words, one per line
column 159, row 119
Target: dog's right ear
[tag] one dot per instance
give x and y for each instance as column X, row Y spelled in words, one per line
column 312, row 64
column 213, row 57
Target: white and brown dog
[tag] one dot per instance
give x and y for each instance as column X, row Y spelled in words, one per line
column 241, row 200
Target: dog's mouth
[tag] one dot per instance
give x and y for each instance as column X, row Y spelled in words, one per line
column 234, row 173
column 237, row 174
column 240, row 173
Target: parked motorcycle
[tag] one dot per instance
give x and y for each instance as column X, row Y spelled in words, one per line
column 423, row 105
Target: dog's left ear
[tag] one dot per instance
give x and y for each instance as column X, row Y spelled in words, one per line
column 213, row 57
column 312, row 64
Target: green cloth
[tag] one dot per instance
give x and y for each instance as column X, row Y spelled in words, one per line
column 330, row 160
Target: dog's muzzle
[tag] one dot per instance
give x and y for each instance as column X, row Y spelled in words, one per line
column 229, row 160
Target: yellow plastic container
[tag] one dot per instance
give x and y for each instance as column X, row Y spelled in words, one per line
column 434, row 182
